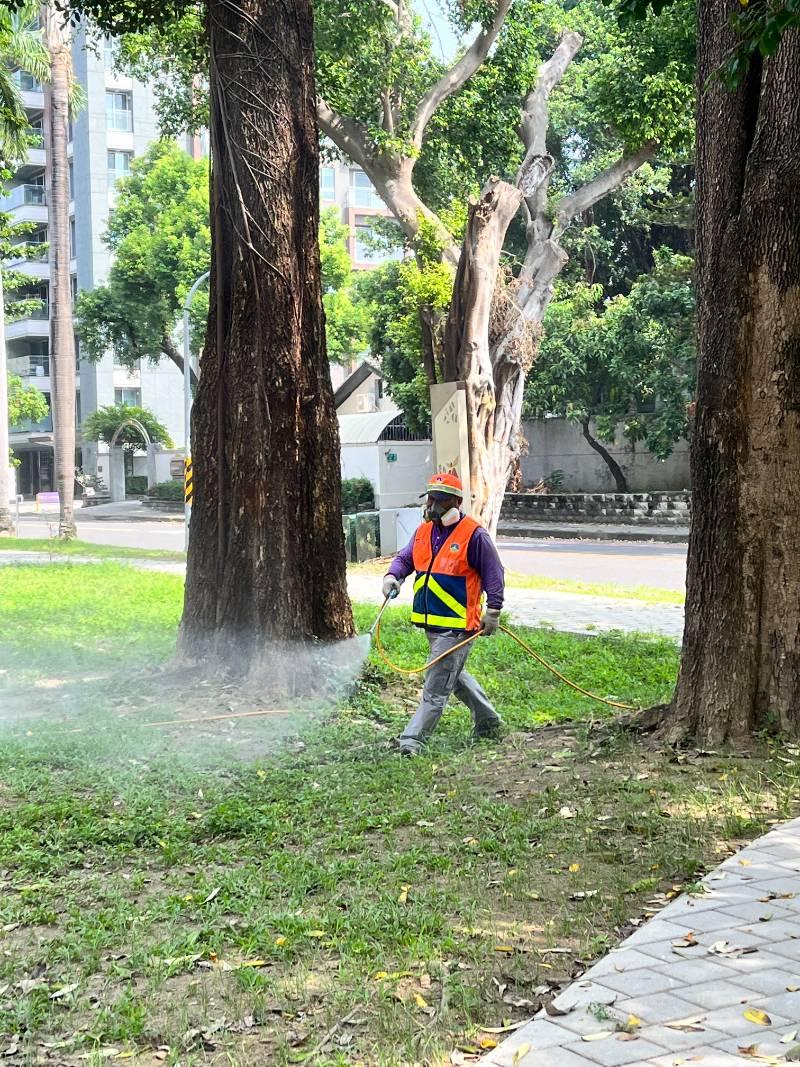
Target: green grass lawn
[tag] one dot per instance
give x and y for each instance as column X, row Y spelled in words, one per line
column 166, row 900
column 57, row 547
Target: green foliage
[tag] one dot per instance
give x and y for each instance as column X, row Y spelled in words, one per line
column 103, row 423
column 346, row 315
column 20, row 47
column 160, row 237
column 135, row 485
column 25, row 402
column 357, row 494
column 398, row 294
column 629, row 361
column 172, row 490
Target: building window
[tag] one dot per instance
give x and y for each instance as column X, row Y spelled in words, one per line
column 119, row 111
column 108, row 52
column 366, row 252
column 364, row 192
column 131, row 397
column 74, row 288
column 119, row 165
column 26, row 82
column 327, row 184
column 71, row 181
column 72, row 238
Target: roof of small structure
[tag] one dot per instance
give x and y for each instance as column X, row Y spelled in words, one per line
column 364, row 429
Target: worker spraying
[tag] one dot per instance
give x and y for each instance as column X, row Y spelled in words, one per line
column 455, row 562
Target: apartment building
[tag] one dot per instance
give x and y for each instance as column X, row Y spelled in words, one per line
column 116, row 125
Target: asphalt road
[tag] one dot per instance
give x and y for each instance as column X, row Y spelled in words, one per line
column 619, row 562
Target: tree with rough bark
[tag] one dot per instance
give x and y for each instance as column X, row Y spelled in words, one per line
column 490, row 337
column 740, row 665
column 266, row 552
column 58, row 94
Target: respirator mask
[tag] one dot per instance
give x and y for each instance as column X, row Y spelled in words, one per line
column 442, row 508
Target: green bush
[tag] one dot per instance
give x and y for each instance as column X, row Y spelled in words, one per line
column 357, row 494
column 172, row 490
column 135, row 485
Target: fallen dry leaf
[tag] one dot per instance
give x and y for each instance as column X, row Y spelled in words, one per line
column 601, row 1035
column 567, row 812
column 521, row 1052
column 503, row 1029
column 787, row 1039
column 792, row 988
column 281, row 940
column 212, row 895
column 488, row 1043
column 420, row 1001
column 633, row 1021
column 689, row 1025
column 687, row 941
column 755, row 1015
column 403, row 897
column 64, row 991
column 574, row 868
column 316, row 933
column 507, row 949
column 254, row 963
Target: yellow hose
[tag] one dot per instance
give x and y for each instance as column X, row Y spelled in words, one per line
column 513, row 636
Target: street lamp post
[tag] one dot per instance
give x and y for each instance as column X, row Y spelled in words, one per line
column 5, row 487
column 187, row 392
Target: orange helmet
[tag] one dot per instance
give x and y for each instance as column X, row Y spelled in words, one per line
column 445, row 483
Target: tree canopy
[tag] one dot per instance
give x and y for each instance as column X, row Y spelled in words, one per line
column 103, row 423
column 629, row 360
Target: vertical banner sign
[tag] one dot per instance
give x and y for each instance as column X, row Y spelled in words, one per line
column 188, row 487
column 450, row 434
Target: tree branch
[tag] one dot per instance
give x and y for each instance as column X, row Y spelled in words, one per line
column 535, row 119
column 459, row 73
column 348, row 135
column 605, row 182
column 172, row 353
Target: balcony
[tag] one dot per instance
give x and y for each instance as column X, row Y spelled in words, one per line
column 45, row 425
column 30, row 90
column 23, row 196
column 27, row 203
column 34, row 324
column 36, row 367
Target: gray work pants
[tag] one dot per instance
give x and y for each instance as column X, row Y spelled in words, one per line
column 441, row 680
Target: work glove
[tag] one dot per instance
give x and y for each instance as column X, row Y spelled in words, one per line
column 391, row 587
column 491, row 622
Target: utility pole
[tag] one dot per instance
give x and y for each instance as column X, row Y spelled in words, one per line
column 187, row 397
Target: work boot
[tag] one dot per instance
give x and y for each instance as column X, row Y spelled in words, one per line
column 488, row 731
column 409, row 748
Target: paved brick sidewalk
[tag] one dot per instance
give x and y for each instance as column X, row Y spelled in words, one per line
column 746, row 959
column 570, row 612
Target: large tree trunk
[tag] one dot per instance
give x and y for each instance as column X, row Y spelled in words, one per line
column 6, row 523
column 266, row 550
column 62, row 332
column 740, row 667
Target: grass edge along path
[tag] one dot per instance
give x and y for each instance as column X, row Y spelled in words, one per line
column 331, row 903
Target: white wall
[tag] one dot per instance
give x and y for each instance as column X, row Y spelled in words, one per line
column 361, row 461
column 402, row 482
column 557, row 444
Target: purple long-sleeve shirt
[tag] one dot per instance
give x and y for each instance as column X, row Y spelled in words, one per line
column 481, row 556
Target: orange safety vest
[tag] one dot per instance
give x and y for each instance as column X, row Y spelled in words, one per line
column 448, row 594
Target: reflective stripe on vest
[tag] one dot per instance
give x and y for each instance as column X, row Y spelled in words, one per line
column 447, row 591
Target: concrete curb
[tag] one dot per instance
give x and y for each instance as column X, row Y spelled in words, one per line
column 588, row 532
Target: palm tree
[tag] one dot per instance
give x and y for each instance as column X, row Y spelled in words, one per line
column 58, row 93
column 21, row 48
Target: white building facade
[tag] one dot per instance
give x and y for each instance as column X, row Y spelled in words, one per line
column 116, row 125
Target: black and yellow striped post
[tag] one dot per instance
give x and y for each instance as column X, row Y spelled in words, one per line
column 188, row 482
